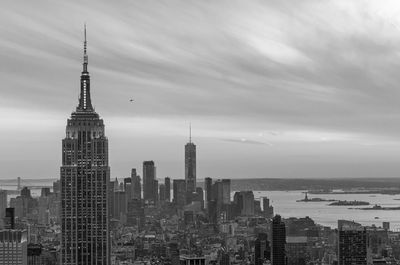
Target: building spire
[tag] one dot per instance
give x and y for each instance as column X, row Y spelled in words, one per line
column 190, row 132
column 85, row 56
column 85, row 103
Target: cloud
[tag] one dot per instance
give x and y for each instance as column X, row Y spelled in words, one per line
column 246, row 141
column 233, row 68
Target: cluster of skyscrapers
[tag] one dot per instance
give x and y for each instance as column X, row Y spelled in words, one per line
column 88, row 205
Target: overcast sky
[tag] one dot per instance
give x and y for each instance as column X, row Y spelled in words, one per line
column 272, row 88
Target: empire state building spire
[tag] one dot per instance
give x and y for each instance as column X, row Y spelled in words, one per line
column 85, row 103
column 85, row 57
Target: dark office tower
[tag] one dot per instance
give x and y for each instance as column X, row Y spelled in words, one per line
column 221, row 193
column 244, row 203
column 162, row 192
column 208, row 190
column 262, row 249
column 149, row 172
column 226, row 191
column 120, row 204
column 352, row 243
column 85, row 175
column 190, row 165
column 126, row 181
column 3, row 204
column 9, row 219
column 212, row 212
column 155, row 191
column 179, row 192
column 45, row 192
column 116, row 184
column 25, row 192
column 167, row 183
column 199, row 196
column 278, row 255
column 136, row 185
column 135, row 215
column 128, row 191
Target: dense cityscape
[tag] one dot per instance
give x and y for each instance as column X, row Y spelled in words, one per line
column 88, row 218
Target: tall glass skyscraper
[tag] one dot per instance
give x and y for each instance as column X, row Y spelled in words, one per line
column 190, row 165
column 85, row 175
column 278, row 252
column 149, row 175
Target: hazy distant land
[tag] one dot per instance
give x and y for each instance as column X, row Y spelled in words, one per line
column 271, row 184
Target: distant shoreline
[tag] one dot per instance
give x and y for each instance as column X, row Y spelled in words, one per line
column 348, row 185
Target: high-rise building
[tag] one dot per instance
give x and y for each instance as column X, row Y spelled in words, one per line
column 297, row 251
column 19, row 204
column 208, row 190
column 13, row 247
column 190, row 165
column 85, row 175
column 226, row 191
column 136, row 185
column 162, row 193
column 9, row 219
column 26, row 192
column 43, row 210
column 116, row 184
column 120, row 204
column 199, row 196
column 268, row 210
column 167, row 183
column 221, row 193
column 3, row 205
column 179, row 190
column 155, row 190
column 262, row 249
column 149, row 175
column 135, row 215
column 257, row 207
column 278, row 229
column 352, row 243
column 386, row 225
column 244, row 203
column 127, row 180
column 128, row 188
column 212, row 211
column 45, row 192
column 129, row 191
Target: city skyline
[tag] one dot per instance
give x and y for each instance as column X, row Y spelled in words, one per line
column 293, row 156
column 262, row 92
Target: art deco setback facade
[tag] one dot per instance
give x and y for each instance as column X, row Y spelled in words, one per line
column 85, row 176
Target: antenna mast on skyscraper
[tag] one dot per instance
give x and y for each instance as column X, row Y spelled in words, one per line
column 190, row 132
column 85, row 56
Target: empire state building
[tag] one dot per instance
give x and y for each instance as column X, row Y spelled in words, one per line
column 85, row 175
